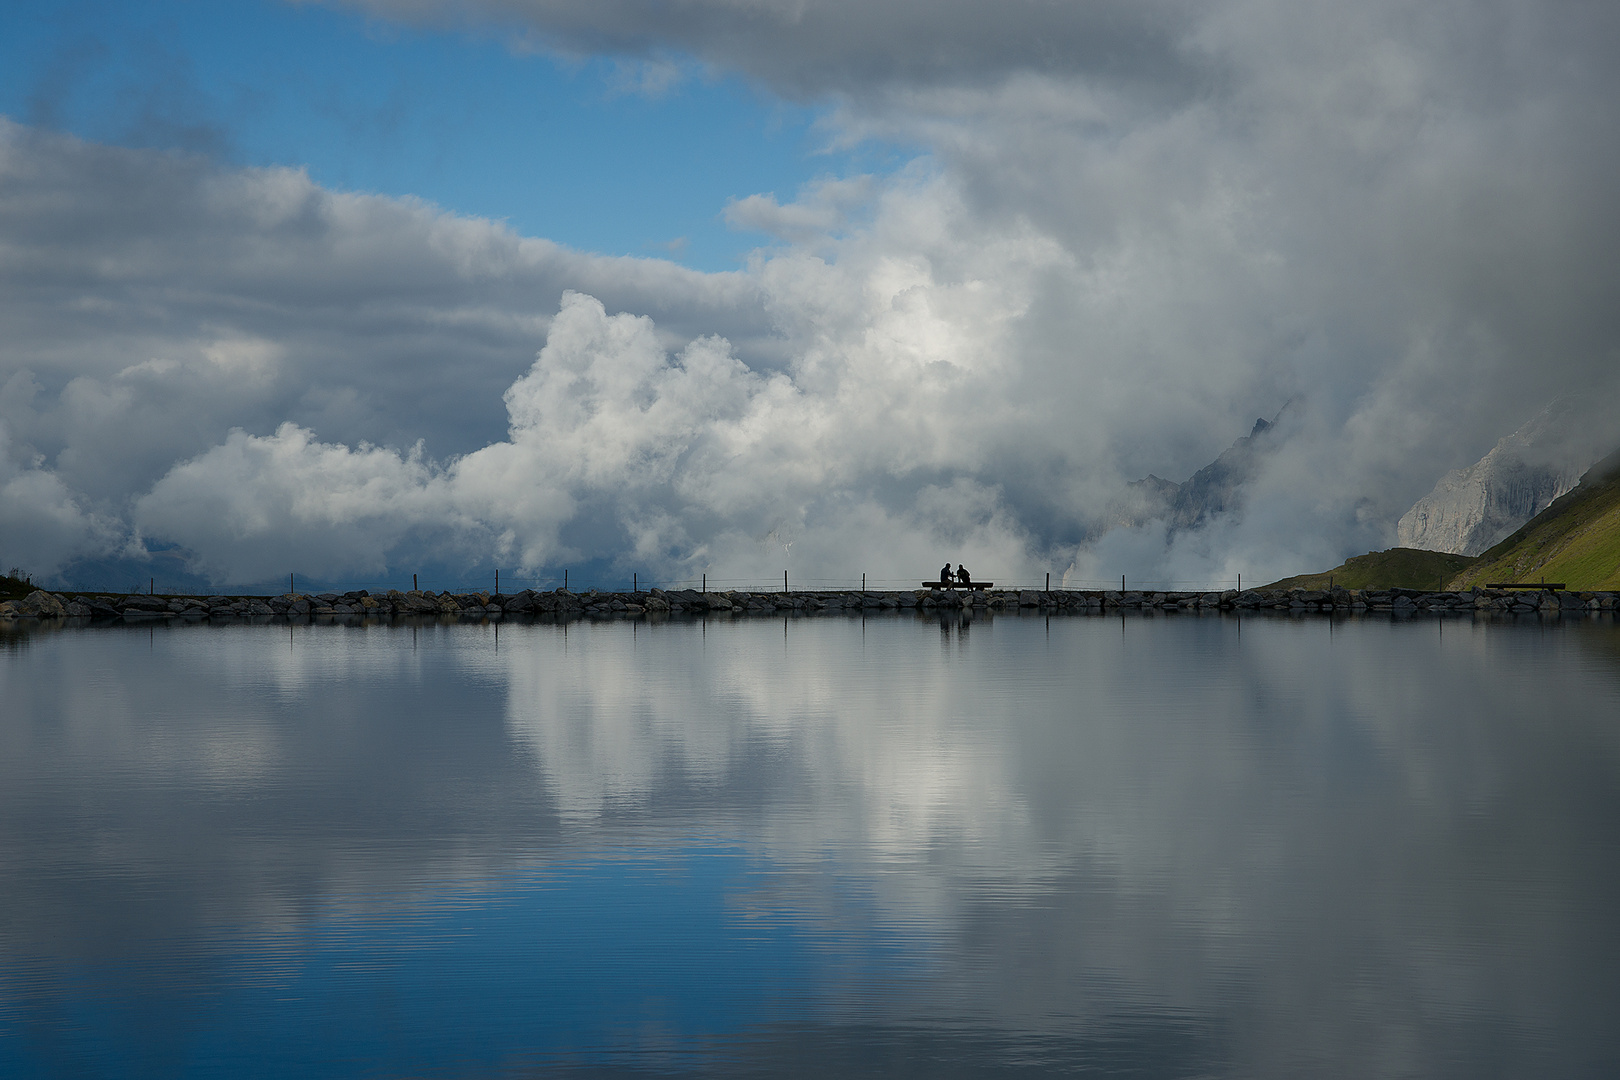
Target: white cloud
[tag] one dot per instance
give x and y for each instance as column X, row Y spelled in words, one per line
column 43, row 524
column 253, row 507
column 1131, row 230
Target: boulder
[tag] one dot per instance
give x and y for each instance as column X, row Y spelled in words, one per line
column 43, row 605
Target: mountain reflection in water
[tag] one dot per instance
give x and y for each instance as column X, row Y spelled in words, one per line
column 1140, row 846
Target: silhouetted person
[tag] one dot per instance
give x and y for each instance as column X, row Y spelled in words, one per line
column 963, row 576
column 945, row 574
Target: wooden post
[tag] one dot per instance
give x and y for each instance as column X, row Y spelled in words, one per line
column 705, row 582
column 565, row 581
column 863, row 583
column 635, row 583
column 413, row 584
column 784, row 581
column 1049, row 581
column 290, row 587
column 151, row 586
column 1240, row 583
column 1122, row 583
column 497, row 581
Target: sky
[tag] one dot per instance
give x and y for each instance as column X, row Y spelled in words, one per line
column 356, row 290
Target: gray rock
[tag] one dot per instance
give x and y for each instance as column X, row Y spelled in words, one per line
column 41, row 604
column 1472, row 508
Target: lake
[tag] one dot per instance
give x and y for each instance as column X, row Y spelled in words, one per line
column 1140, row 846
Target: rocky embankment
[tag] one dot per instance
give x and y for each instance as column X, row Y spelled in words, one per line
column 658, row 602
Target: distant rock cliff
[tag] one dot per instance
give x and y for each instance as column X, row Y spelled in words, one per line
column 1218, row 486
column 1471, row 509
column 1215, row 489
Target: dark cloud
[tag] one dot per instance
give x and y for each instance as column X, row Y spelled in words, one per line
column 815, row 47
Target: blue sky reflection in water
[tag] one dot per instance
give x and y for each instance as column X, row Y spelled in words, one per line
column 1151, row 847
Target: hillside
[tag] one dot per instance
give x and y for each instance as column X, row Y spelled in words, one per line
column 1397, row 568
column 1471, row 509
column 1576, row 540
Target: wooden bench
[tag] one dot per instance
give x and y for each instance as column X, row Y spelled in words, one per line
column 959, row 584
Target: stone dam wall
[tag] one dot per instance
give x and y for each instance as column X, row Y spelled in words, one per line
column 655, row 603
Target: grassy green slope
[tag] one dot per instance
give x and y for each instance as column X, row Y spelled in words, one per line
column 1397, row 568
column 1576, row 540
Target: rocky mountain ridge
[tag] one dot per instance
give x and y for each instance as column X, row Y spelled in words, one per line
column 1473, row 508
column 1215, row 489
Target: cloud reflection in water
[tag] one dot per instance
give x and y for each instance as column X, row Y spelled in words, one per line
column 1166, row 846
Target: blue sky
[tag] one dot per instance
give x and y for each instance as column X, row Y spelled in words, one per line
column 581, row 151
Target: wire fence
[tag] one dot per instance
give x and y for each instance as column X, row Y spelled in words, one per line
column 509, row 584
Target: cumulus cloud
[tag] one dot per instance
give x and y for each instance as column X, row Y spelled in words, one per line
column 253, row 505
column 43, row 522
column 1129, row 230
column 680, row 463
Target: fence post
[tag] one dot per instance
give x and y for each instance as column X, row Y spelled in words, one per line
column 635, row 582
column 1049, row 581
column 1122, row 583
column 863, row 583
column 1240, row 583
column 565, row 581
column 413, row 584
column 784, row 581
column 497, row 582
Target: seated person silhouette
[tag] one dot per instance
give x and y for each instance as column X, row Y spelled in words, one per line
column 963, row 576
column 945, row 574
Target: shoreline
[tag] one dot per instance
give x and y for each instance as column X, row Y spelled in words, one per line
column 659, row 603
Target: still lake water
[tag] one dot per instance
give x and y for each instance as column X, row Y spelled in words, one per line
column 1149, row 846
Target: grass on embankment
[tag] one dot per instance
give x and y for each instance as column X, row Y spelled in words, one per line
column 1397, row 568
column 12, row 588
column 1576, row 540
